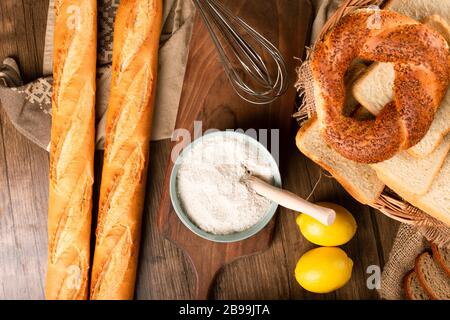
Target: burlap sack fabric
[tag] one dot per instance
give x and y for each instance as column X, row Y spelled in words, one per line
column 410, row 240
column 407, row 246
column 29, row 106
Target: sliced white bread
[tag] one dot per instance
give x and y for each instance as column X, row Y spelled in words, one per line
column 358, row 179
column 420, row 9
column 439, row 24
column 439, row 128
column 412, row 287
column 408, row 175
column 374, row 89
column 432, row 278
column 354, row 72
column 442, row 256
column 435, row 202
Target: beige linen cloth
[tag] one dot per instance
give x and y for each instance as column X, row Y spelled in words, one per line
column 408, row 243
column 29, row 106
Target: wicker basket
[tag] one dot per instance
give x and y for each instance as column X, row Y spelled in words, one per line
column 388, row 203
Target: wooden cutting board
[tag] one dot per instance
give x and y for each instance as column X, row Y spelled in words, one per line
column 207, row 96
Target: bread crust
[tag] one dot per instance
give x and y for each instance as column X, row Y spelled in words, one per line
column 72, row 149
column 431, row 211
column 412, row 151
column 412, row 199
column 128, row 127
column 421, row 277
column 437, row 256
column 406, row 285
column 393, row 181
column 406, row 281
column 422, row 77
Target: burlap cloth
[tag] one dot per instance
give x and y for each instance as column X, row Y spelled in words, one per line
column 408, row 242
column 29, row 106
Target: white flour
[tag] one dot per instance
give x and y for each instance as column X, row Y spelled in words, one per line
column 210, row 187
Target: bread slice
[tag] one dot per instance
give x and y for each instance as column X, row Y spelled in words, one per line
column 435, row 202
column 439, row 128
column 439, row 24
column 412, row 287
column 374, row 89
column 354, row 72
column 442, row 256
column 420, row 9
column 362, row 114
column 432, row 278
column 358, row 179
column 408, row 175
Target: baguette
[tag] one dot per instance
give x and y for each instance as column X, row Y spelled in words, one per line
column 72, row 149
column 128, row 127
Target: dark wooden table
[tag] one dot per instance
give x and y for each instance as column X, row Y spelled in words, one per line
column 164, row 273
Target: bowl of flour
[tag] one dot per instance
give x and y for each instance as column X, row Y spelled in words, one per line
column 208, row 189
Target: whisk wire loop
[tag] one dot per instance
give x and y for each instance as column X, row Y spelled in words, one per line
column 244, row 65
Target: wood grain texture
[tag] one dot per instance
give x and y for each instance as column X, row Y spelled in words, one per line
column 22, row 30
column 164, row 271
column 23, row 166
column 208, row 97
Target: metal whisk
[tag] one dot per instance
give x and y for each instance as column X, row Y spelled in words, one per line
column 257, row 77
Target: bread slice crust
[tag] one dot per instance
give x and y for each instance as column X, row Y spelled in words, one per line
column 438, row 256
column 424, row 279
column 409, row 282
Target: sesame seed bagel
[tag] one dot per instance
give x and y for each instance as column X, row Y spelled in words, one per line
column 421, row 62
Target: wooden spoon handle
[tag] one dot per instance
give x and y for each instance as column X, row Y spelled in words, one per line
column 291, row 201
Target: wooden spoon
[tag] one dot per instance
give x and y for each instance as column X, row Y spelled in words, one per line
column 291, row 201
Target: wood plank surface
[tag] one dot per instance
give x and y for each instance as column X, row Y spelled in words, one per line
column 164, row 271
column 208, row 98
column 23, row 166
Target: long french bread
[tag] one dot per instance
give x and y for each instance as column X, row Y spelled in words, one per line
column 72, row 149
column 128, row 128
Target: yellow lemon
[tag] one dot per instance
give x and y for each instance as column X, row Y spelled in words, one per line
column 324, row 269
column 340, row 232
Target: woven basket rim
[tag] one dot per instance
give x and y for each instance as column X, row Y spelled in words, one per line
column 347, row 7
